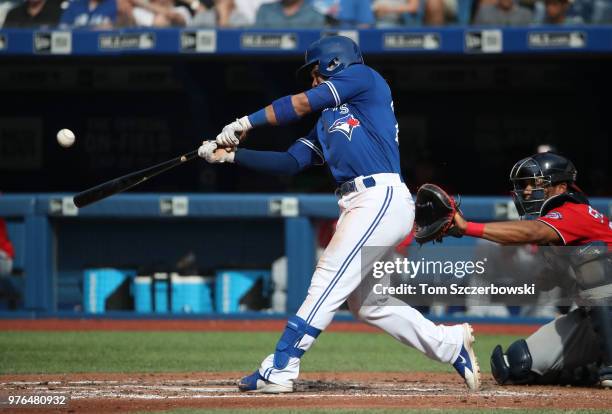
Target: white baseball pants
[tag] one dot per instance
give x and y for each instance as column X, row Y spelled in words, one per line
column 377, row 216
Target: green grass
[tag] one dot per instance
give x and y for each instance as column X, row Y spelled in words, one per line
column 95, row 351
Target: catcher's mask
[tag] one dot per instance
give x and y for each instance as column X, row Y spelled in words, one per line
column 538, row 172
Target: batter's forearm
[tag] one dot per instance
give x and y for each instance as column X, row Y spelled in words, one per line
column 290, row 108
column 283, row 111
column 270, row 162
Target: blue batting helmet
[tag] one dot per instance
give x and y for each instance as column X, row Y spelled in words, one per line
column 333, row 54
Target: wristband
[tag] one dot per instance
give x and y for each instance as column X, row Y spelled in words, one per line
column 258, row 118
column 284, row 111
column 474, row 229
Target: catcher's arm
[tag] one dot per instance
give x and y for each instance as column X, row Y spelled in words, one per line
column 508, row 232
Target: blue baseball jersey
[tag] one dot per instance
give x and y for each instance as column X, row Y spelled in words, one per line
column 357, row 133
column 79, row 14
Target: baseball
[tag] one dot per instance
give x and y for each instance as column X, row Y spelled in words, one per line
column 65, row 138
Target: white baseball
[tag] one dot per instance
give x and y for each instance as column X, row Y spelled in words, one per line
column 65, row 138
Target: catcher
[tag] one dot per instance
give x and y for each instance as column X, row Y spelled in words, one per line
column 575, row 348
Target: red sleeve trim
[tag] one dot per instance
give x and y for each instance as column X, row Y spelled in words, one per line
column 554, row 228
column 5, row 243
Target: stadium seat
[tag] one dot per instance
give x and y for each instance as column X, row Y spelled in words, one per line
column 464, row 11
column 415, row 19
column 602, row 12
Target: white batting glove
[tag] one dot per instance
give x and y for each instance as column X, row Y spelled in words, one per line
column 230, row 133
column 208, row 151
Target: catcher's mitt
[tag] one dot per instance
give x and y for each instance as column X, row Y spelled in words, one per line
column 434, row 213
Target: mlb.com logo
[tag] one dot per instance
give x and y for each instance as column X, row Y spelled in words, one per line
column 346, row 125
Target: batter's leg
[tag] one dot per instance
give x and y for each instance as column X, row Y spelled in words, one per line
column 450, row 344
column 407, row 325
column 378, row 216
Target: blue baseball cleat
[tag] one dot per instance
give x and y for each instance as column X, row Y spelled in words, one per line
column 466, row 363
column 256, row 383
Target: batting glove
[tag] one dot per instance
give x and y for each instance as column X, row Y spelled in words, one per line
column 230, row 133
column 209, row 151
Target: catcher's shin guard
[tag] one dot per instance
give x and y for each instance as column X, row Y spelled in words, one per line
column 601, row 318
column 513, row 367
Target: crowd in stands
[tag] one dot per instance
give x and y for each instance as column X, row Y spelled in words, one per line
column 299, row 14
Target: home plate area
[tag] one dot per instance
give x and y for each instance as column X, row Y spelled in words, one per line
column 132, row 392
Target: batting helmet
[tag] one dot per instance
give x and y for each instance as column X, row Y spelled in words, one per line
column 539, row 171
column 333, row 54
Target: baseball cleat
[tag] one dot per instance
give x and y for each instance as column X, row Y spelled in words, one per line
column 256, row 383
column 466, row 363
column 605, row 377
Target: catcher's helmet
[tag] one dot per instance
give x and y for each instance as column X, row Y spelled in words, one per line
column 539, row 171
column 333, row 54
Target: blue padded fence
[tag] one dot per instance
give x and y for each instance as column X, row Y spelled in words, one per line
column 55, row 242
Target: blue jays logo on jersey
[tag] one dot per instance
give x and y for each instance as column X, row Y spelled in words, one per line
column 346, row 125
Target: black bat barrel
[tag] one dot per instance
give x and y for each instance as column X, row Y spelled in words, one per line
column 118, row 185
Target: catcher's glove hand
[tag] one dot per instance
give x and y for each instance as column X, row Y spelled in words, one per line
column 434, row 212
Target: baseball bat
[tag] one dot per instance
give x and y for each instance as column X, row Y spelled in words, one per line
column 118, row 185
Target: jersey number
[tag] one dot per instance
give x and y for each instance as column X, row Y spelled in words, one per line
column 595, row 214
column 396, row 126
column 397, row 134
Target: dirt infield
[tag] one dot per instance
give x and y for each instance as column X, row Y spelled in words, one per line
column 111, row 393
column 213, row 325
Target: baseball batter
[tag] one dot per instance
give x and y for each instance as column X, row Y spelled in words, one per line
column 575, row 348
column 356, row 135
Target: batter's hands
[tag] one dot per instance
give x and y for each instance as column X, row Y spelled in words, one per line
column 231, row 133
column 214, row 155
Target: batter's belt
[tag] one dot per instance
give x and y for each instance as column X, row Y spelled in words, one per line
column 362, row 183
